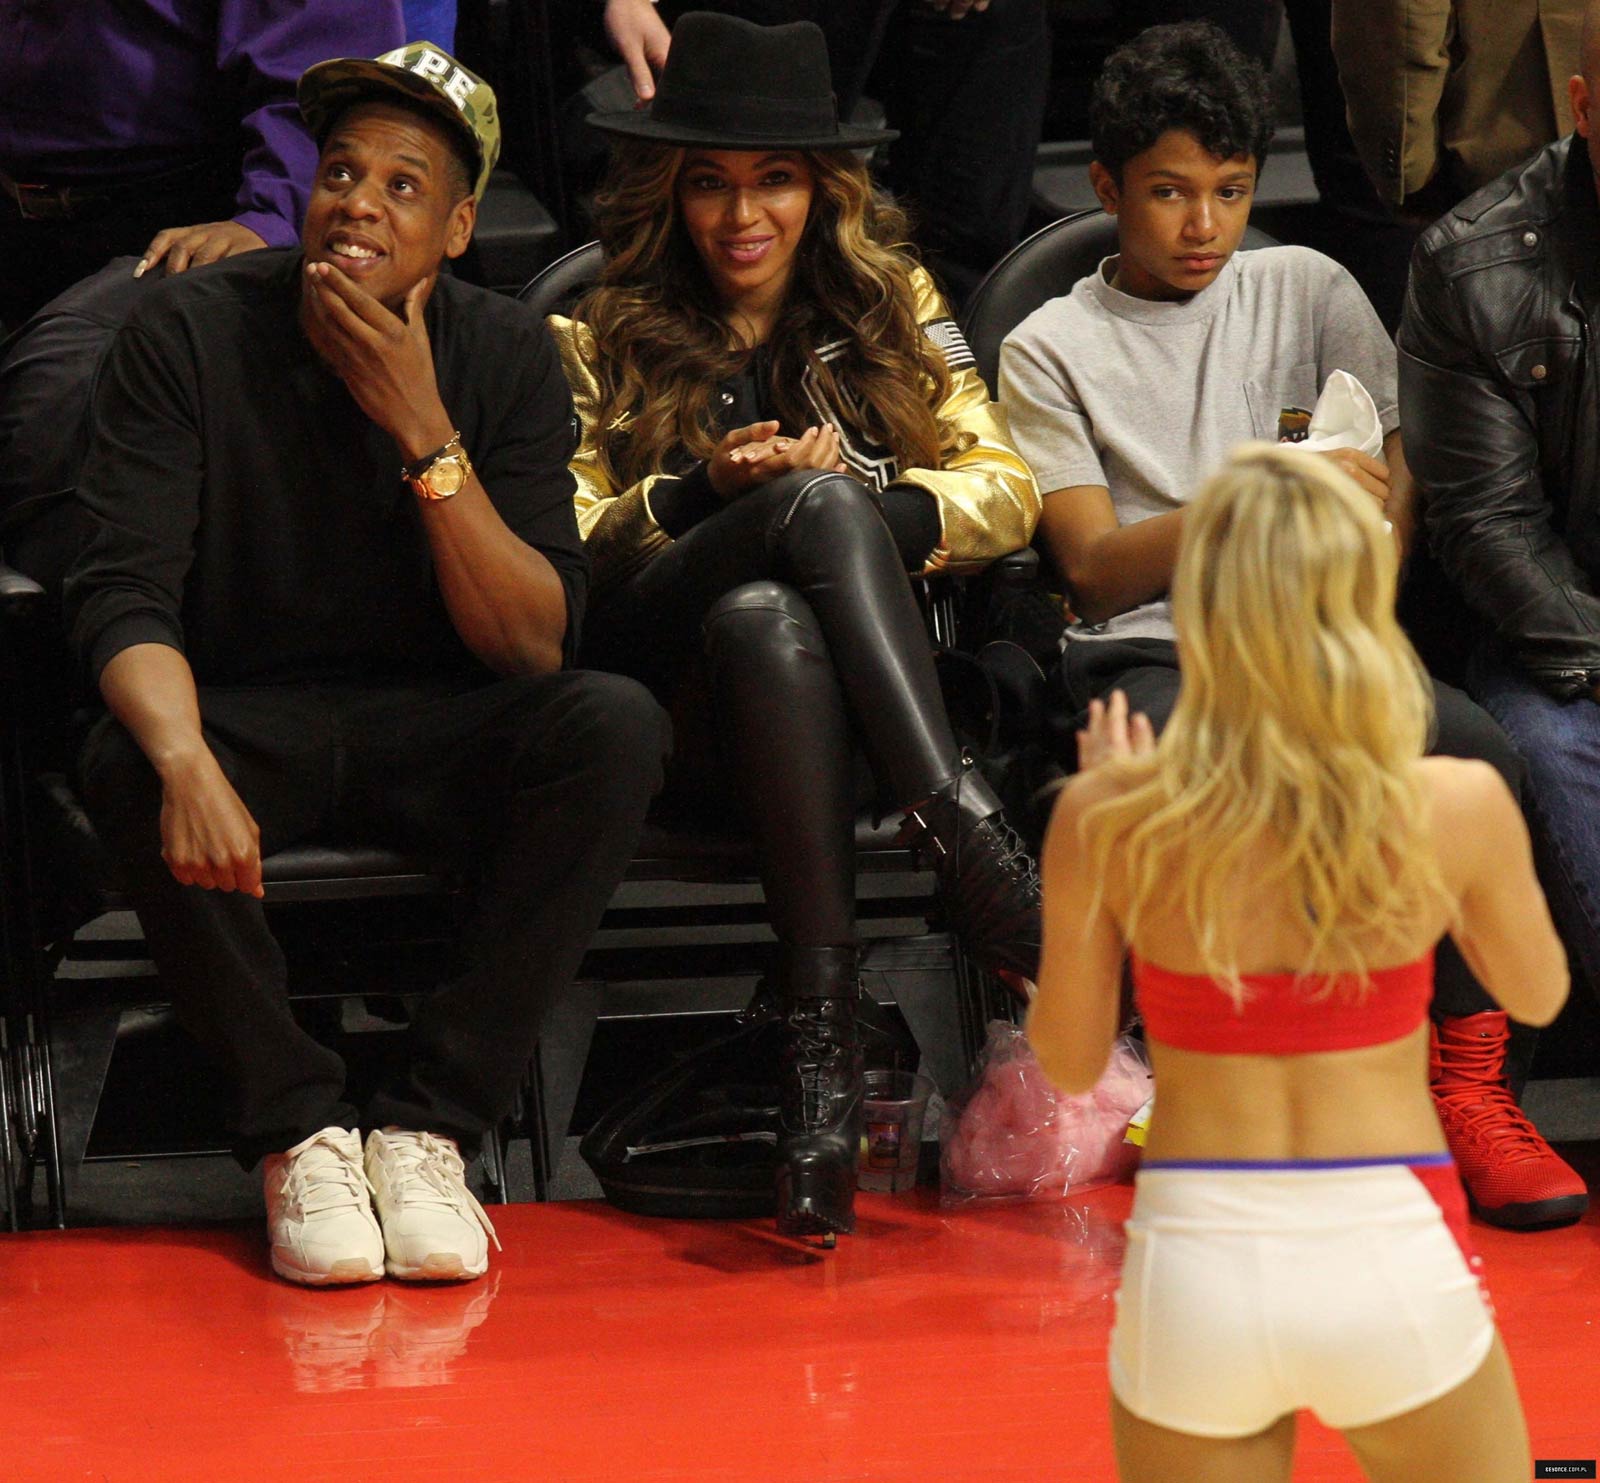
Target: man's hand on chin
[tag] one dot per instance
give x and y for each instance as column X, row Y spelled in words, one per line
column 384, row 358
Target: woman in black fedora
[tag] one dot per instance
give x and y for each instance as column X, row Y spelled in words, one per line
column 780, row 421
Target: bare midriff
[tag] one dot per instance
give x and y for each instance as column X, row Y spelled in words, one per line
column 1369, row 1102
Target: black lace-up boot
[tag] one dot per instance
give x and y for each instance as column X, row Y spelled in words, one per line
column 819, row 1090
column 988, row 882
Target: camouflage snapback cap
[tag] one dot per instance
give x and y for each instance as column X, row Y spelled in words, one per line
column 422, row 73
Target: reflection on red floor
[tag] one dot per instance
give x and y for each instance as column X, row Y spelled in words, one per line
column 931, row 1346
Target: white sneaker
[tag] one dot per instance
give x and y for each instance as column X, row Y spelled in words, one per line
column 319, row 1217
column 433, row 1228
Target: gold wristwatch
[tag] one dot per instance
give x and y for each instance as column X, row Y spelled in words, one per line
column 439, row 474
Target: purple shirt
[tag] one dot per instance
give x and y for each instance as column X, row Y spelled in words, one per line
column 98, row 90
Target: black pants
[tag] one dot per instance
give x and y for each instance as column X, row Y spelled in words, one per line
column 40, row 258
column 535, row 787
column 812, row 635
column 1146, row 670
column 968, row 97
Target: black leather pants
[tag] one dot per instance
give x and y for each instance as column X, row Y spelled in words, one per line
column 812, row 635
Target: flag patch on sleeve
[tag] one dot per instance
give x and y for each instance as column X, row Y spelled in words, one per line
column 951, row 343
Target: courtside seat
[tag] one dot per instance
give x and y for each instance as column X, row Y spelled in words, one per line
column 515, row 236
column 56, row 876
column 686, row 867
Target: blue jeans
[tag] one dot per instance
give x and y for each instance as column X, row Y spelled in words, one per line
column 1560, row 743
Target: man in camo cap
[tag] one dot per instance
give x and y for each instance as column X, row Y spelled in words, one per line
column 332, row 587
column 417, row 75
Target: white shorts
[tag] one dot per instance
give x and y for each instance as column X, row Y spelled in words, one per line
column 1251, row 1290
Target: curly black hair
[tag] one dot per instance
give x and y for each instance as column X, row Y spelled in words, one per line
column 1187, row 76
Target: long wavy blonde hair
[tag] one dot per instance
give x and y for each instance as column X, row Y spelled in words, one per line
column 664, row 348
column 1302, row 712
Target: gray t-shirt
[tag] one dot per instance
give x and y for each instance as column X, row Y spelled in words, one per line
column 1148, row 398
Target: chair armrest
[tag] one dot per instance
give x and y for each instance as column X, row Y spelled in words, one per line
column 1017, row 567
column 20, row 596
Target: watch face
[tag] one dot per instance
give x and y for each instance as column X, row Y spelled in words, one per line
column 445, row 478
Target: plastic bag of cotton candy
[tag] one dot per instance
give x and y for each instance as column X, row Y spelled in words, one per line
column 1012, row 1136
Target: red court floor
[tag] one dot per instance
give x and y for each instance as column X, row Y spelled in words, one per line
column 930, row 1346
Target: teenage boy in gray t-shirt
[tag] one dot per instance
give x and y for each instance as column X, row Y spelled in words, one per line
column 1123, row 404
column 1128, row 392
column 1125, row 394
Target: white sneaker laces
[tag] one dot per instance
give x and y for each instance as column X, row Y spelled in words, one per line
column 428, row 1170
column 325, row 1176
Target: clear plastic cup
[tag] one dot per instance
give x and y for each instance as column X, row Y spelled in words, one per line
column 894, row 1105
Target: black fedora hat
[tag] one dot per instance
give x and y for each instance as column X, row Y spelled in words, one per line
column 731, row 84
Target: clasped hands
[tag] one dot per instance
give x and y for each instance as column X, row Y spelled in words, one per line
column 748, row 457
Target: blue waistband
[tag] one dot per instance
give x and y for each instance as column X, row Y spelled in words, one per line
column 1251, row 1166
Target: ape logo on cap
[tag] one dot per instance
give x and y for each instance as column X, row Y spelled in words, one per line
column 447, row 74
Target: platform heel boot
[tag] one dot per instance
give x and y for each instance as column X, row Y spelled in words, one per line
column 819, row 1091
column 988, row 881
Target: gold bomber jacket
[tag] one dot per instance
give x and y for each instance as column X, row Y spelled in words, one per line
column 987, row 498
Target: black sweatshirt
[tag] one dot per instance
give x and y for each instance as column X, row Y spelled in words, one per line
column 249, row 514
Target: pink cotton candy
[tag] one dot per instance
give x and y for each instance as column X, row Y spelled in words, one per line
column 1014, row 1136
column 1021, row 1104
column 1125, row 1087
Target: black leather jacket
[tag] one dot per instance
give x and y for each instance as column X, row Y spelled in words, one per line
column 1498, row 401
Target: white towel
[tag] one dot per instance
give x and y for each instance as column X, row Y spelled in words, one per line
column 1345, row 417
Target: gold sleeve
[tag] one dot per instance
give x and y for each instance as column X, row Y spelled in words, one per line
column 617, row 527
column 987, row 497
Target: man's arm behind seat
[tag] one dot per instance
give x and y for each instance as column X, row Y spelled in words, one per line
column 262, row 50
column 1394, row 60
column 1473, row 446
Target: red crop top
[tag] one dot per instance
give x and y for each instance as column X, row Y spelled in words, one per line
column 1280, row 1015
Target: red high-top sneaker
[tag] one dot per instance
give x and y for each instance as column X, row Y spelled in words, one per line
column 1513, row 1177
